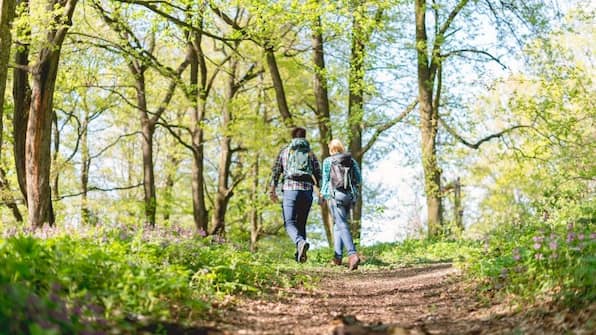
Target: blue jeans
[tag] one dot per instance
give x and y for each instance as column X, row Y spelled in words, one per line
column 340, row 208
column 295, row 208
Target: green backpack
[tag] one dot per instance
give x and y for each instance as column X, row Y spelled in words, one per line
column 298, row 162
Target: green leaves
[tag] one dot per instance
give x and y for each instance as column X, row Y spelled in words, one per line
column 108, row 275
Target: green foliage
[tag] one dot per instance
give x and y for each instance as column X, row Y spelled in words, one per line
column 411, row 252
column 69, row 283
column 543, row 258
column 406, row 253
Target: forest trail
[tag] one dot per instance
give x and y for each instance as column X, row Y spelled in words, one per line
column 425, row 299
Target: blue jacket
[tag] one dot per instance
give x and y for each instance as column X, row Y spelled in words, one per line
column 326, row 191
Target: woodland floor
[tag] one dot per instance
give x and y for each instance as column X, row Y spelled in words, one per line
column 428, row 299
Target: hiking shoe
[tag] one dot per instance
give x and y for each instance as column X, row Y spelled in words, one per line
column 302, row 249
column 353, row 262
column 336, row 261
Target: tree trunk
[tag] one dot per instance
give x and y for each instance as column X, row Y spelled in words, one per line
column 172, row 161
column 21, row 94
column 428, row 124
column 55, row 154
column 356, row 108
column 85, row 165
column 7, row 198
column 278, row 86
column 147, row 132
column 37, row 143
column 7, row 8
column 224, row 192
column 198, row 83
column 39, row 125
column 254, row 211
column 322, row 112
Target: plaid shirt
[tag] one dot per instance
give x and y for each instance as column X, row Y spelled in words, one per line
column 279, row 166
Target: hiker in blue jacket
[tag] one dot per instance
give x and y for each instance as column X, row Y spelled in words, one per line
column 340, row 188
column 301, row 170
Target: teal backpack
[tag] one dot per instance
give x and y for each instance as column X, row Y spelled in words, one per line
column 298, row 162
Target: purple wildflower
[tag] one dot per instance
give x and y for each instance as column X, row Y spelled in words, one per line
column 553, row 245
column 537, row 246
column 539, row 257
column 553, row 255
column 516, row 255
column 593, row 236
column 581, row 237
column 570, row 237
column 538, row 238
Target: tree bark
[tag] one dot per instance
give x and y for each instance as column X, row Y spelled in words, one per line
column 198, row 97
column 85, row 165
column 224, row 192
column 322, row 112
column 39, row 125
column 147, row 132
column 21, row 94
column 7, row 8
column 255, row 227
column 7, row 197
column 428, row 123
column 7, row 13
column 55, row 154
column 278, row 86
column 356, row 107
column 172, row 162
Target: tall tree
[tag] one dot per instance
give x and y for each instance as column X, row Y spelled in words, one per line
column 39, row 125
column 21, row 95
column 7, row 13
column 225, row 183
column 140, row 58
column 322, row 109
column 433, row 50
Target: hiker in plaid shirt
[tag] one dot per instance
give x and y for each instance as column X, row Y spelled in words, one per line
column 301, row 171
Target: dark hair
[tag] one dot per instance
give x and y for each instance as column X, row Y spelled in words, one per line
column 298, row 132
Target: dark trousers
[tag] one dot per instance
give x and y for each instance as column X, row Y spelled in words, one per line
column 295, row 207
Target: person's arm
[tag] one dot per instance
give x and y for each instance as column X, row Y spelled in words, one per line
column 325, row 192
column 276, row 172
column 358, row 175
column 316, row 167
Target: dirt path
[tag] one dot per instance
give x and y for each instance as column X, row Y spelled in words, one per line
column 416, row 300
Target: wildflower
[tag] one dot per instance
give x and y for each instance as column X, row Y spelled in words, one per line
column 593, row 236
column 537, row 246
column 538, row 238
column 581, row 237
column 538, row 257
column 570, row 226
column 516, row 255
column 553, row 245
column 570, row 237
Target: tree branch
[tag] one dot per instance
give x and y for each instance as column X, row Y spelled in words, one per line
column 481, row 141
column 95, row 188
column 380, row 129
column 461, row 51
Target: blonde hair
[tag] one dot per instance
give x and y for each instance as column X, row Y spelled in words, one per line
column 336, row 147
